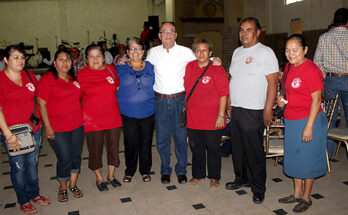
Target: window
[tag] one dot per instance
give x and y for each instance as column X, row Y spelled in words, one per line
column 291, row 1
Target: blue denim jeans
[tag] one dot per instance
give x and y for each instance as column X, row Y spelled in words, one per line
column 167, row 113
column 24, row 172
column 68, row 148
column 332, row 86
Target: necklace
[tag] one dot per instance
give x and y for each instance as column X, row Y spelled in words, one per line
column 141, row 67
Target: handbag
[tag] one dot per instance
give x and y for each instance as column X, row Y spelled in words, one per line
column 25, row 132
column 183, row 114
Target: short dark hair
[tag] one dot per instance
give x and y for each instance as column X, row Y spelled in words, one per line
column 94, row 46
column 12, row 48
column 54, row 70
column 134, row 39
column 252, row 19
column 300, row 38
column 341, row 17
column 204, row 41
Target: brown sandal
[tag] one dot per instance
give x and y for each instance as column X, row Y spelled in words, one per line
column 76, row 192
column 63, row 196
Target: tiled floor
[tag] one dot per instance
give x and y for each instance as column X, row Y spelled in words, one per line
column 330, row 193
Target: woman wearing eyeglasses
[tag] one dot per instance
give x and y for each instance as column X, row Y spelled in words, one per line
column 136, row 100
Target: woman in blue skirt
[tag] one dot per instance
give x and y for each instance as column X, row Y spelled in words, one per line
column 305, row 123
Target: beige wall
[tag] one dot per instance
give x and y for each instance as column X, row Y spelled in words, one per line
column 316, row 14
column 23, row 21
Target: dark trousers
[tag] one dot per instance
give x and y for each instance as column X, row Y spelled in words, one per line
column 138, row 134
column 249, row 159
column 95, row 144
column 205, row 144
column 68, row 148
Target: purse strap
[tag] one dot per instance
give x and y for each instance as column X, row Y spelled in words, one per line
column 113, row 77
column 282, row 83
column 199, row 78
column 31, row 80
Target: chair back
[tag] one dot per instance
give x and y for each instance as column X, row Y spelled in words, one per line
column 329, row 106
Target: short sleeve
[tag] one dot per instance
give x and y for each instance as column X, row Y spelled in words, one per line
column 149, row 56
column 270, row 62
column 44, row 88
column 315, row 79
column 2, row 99
column 221, row 81
column 117, row 79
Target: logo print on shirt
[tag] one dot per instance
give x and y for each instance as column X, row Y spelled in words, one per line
column 30, row 87
column 110, row 80
column 76, row 84
column 296, row 83
column 206, row 79
column 249, row 60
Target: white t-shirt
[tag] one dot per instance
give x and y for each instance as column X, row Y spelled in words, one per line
column 249, row 68
column 169, row 67
column 108, row 57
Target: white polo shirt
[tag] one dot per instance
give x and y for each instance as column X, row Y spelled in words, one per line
column 249, row 68
column 170, row 67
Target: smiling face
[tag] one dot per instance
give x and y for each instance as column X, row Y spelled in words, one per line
column 135, row 52
column 167, row 35
column 248, row 34
column 16, row 61
column 202, row 54
column 63, row 63
column 95, row 59
column 295, row 52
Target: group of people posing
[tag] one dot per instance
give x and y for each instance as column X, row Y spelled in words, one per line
column 142, row 95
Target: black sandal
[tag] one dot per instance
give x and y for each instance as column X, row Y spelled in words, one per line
column 127, row 179
column 64, row 194
column 76, row 192
column 146, row 178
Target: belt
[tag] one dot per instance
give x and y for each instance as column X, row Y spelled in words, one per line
column 330, row 74
column 170, row 96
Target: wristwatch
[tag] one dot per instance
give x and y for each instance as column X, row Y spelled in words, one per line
column 221, row 116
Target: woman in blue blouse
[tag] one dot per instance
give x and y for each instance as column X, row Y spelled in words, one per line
column 136, row 100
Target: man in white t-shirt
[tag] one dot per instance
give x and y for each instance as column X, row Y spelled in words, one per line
column 253, row 86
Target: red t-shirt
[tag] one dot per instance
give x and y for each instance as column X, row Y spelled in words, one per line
column 99, row 102
column 301, row 82
column 63, row 102
column 18, row 102
column 203, row 105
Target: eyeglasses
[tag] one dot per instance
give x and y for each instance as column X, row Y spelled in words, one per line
column 171, row 32
column 135, row 48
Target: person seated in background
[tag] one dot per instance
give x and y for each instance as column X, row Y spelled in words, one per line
column 2, row 61
column 50, row 62
column 77, row 61
column 205, row 113
column 107, row 54
column 121, row 53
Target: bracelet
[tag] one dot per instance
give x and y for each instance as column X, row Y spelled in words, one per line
column 221, row 116
column 10, row 138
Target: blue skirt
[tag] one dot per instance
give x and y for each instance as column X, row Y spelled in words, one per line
column 305, row 160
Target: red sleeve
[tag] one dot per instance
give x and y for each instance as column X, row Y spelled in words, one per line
column 1, row 97
column 221, row 81
column 43, row 88
column 117, row 80
column 315, row 79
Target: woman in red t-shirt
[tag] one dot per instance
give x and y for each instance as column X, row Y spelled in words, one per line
column 101, row 114
column 17, row 98
column 205, row 113
column 305, row 123
column 60, row 108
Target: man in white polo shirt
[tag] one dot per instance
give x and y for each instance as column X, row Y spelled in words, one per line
column 169, row 60
column 253, row 85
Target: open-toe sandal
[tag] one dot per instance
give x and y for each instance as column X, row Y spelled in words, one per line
column 127, row 179
column 76, row 192
column 28, row 209
column 42, row 201
column 62, row 196
column 146, row 178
